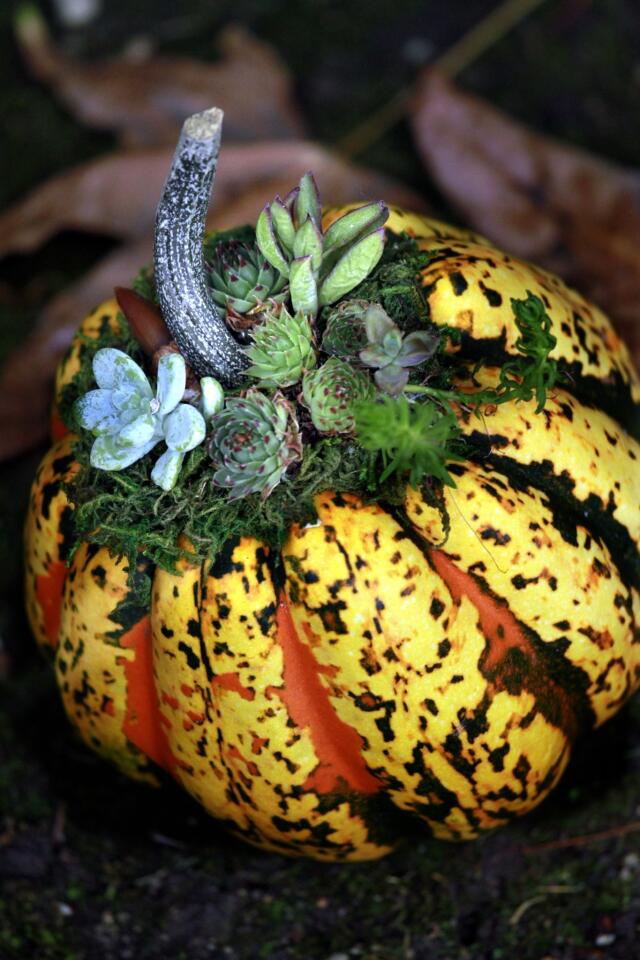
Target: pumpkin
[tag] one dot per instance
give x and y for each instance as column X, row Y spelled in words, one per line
column 388, row 672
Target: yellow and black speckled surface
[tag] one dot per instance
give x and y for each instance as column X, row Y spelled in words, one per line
column 387, row 672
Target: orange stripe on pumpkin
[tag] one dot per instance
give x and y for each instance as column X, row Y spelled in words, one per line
column 505, row 635
column 49, row 588
column 338, row 746
column 142, row 720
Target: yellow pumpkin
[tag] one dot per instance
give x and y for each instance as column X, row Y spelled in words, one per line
column 394, row 673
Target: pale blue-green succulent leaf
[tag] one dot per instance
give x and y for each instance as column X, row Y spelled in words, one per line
column 307, row 202
column 114, row 369
column 108, row 454
column 212, row 397
column 283, row 224
column 377, row 323
column 308, row 243
column 167, row 468
column 139, row 432
column 184, row 429
column 268, row 243
column 303, row 286
column 350, row 225
column 172, row 379
column 95, row 411
column 352, row 268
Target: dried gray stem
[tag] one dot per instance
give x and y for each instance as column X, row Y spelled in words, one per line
column 185, row 301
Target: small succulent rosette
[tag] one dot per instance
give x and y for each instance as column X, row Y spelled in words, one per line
column 129, row 419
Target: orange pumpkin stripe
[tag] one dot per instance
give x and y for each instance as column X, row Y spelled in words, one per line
column 337, row 745
column 49, row 588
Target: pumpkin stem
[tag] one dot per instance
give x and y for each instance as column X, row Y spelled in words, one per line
column 185, row 300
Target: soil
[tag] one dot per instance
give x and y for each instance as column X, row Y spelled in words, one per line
column 92, row 866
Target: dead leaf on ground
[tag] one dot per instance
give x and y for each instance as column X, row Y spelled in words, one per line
column 117, row 195
column 24, row 414
column 145, row 102
column 573, row 213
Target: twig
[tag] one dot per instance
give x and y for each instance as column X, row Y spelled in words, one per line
column 584, row 839
column 456, row 59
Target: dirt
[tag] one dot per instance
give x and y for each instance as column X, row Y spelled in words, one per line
column 92, row 866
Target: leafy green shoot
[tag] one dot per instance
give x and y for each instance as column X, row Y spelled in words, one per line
column 413, row 438
column 534, row 372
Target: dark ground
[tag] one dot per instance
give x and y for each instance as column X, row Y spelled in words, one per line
column 92, row 866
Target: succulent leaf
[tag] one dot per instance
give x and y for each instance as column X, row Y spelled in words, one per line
column 353, row 224
column 211, row 397
column 172, row 380
column 268, row 243
column 283, row 225
column 115, row 369
column 308, row 242
column 303, row 286
column 184, row 428
column 330, row 392
column 166, row 469
column 352, row 268
column 95, row 411
column 307, row 202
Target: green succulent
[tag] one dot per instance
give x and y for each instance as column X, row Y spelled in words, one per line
column 255, row 439
column 281, row 349
column 321, row 267
column 330, row 392
column 345, row 334
column 242, row 279
column 391, row 353
column 128, row 420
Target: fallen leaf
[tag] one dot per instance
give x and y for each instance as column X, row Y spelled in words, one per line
column 145, row 102
column 24, row 414
column 118, row 194
column 573, row 213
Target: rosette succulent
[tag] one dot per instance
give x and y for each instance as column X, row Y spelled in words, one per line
column 321, row 267
column 282, row 348
column 128, row 419
column 391, row 353
column 242, row 279
column 255, row 439
column 345, row 334
column 330, row 393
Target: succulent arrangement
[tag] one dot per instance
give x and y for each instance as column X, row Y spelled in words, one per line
column 289, row 326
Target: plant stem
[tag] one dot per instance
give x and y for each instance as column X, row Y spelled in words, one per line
column 187, row 306
column 431, row 392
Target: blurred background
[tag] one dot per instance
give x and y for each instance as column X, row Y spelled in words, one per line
column 519, row 119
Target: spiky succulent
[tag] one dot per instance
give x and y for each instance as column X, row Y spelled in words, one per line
column 330, row 392
column 255, row 439
column 321, row 267
column 345, row 334
column 281, row 349
column 241, row 278
column 391, row 353
column 128, row 420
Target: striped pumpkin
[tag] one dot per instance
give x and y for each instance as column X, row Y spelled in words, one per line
column 389, row 673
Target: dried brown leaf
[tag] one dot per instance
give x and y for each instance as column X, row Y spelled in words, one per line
column 24, row 414
column 117, row 194
column 573, row 213
column 146, row 101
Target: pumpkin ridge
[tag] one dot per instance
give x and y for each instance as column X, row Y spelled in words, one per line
column 611, row 395
column 341, row 767
column 568, row 511
column 566, row 706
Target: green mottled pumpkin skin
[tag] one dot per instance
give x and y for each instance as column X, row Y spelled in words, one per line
column 382, row 672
